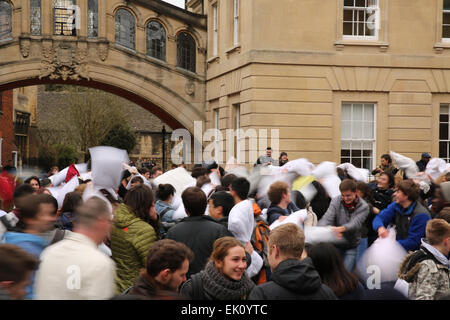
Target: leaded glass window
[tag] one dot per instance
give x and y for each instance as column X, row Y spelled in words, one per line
column 5, row 20
column 93, row 18
column 64, row 17
column 186, row 51
column 358, row 134
column 125, row 28
column 35, row 17
column 156, row 40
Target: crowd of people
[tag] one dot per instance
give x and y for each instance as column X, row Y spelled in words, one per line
column 225, row 234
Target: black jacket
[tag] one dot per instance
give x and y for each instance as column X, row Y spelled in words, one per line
column 274, row 212
column 293, row 280
column 383, row 197
column 199, row 234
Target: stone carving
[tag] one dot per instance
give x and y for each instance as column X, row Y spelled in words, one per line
column 25, row 47
column 64, row 61
column 102, row 50
column 190, row 88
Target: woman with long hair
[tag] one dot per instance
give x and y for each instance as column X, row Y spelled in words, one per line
column 136, row 229
column 224, row 276
column 71, row 202
column 328, row 262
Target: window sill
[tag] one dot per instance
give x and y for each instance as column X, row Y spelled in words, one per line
column 187, row 72
column 213, row 59
column 340, row 44
column 439, row 47
column 6, row 41
column 236, row 48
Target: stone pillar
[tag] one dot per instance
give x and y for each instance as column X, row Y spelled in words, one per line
column 83, row 5
column 47, row 17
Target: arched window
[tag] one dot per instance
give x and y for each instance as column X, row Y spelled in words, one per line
column 186, row 51
column 93, row 18
column 5, row 20
column 125, row 28
column 156, row 40
column 35, row 17
column 64, row 17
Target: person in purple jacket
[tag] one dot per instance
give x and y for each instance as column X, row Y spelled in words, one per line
column 408, row 215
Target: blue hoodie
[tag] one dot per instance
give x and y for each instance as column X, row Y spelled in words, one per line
column 32, row 244
column 417, row 225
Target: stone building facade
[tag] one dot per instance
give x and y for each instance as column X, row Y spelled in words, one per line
column 341, row 80
column 6, row 127
column 335, row 88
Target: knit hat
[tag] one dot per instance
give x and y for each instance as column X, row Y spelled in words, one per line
column 445, row 190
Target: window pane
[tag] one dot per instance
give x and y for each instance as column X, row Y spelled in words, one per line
column 345, row 153
column 356, row 162
column 5, row 20
column 347, row 29
column 367, row 163
column 443, row 118
column 348, row 3
column 356, row 153
column 446, row 32
column 361, row 16
column 64, row 22
column 125, row 29
column 357, row 130
column 348, row 15
column 156, row 40
column 443, row 131
column 369, row 112
column 357, row 112
column 93, row 18
column 346, row 112
column 361, row 27
column 346, row 145
column 35, row 16
column 346, row 130
column 367, row 153
column 360, row 3
column 367, row 145
column 446, row 4
column 368, row 130
column 186, row 55
column 370, row 29
column 446, row 18
column 345, row 160
column 443, row 150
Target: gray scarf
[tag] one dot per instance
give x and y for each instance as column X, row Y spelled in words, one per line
column 222, row 288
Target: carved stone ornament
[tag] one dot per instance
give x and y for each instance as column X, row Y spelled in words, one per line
column 190, row 88
column 102, row 50
column 25, row 47
column 64, row 61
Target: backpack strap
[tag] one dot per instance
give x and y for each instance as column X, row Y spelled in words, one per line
column 59, row 235
column 161, row 215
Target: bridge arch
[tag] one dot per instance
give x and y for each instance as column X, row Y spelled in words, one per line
column 173, row 94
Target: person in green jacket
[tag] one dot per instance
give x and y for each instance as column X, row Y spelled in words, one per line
column 136, row 229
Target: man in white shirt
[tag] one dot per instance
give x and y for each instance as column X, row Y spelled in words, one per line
column 241, row 221
column 74, row 269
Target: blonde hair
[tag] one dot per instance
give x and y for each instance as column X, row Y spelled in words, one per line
column 437, row 230
column 289, row 239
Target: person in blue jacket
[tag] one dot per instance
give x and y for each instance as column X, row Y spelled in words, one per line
column 35, row 219
column 408, row 215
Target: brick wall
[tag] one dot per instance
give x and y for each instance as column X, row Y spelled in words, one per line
column 6, row 126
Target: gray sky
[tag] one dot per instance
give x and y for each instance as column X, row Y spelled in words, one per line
column 179, row 3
